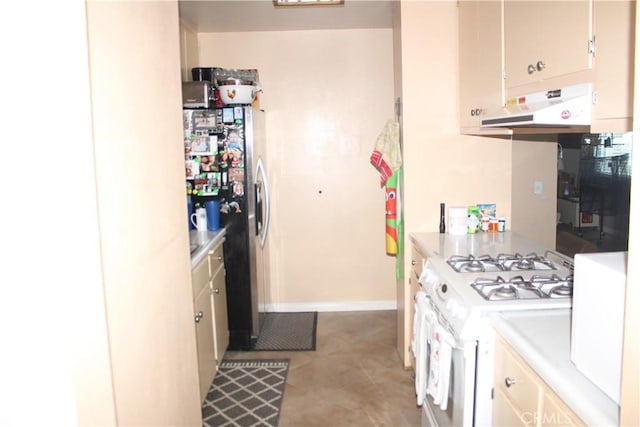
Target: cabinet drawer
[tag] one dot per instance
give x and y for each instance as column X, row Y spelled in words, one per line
column 505, row 414
column 216, row 260
column 523, row 392
column 555, row 413
column 417, row 261
column 200, row 277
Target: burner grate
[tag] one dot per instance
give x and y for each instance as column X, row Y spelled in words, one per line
column 502, row 262
column 519, row 288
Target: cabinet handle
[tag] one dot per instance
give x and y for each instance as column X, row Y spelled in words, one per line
column 509, row 381
column 198, row 316
column 538, row 67
column 216, row 290
column 414, row 262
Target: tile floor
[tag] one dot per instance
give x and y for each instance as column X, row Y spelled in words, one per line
column 354, row 378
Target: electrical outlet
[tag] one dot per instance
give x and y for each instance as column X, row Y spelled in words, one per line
column 537, row 187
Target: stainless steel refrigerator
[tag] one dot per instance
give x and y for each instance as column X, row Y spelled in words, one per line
column 223, row 162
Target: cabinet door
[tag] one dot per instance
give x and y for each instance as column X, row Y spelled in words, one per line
column 417, row 260
column 200, row 277
column 614, row 33
column 221, row 323
column 216, row 260
column 516, row 384
column 555, row 34
column 481, row 61
column 204, row 337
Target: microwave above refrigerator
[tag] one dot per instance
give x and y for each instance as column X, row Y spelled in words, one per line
column 195, row 94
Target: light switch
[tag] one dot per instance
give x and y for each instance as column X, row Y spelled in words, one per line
column 537, row 187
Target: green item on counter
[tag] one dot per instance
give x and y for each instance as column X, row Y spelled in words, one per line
column 473, row 219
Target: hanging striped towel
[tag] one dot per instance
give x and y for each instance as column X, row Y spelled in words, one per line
column 387, row 155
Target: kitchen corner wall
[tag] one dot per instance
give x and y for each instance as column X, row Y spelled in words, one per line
column 534, row 215
column 327, row 95
column 440, row 164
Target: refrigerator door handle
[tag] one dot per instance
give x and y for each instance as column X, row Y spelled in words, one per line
column 265, row 226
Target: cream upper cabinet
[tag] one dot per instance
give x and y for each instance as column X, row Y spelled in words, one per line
column 521, row 397
column 613, row 64
column 546, row 40
column 481, row 61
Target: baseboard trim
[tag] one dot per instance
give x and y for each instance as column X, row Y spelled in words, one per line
column 332, row 306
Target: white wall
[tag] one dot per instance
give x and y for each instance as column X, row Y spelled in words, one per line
column 327, row 95
column 96, row 315
column 52, row 314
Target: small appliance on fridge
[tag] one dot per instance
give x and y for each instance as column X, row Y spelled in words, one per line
column 223, row 163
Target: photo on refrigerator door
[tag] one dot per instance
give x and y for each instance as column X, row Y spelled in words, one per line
column 202, row 143
column 206, row 184
column 204, row 120
column 236, row 182
column 192, row 168
column 233, row 154
column 208, row 164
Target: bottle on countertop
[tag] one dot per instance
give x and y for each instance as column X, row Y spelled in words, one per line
column 502, row 224
column 442, row 225
column 473, row 219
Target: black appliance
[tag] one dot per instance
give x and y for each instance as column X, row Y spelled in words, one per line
column 223, row 163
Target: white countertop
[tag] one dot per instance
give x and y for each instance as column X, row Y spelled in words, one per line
column 542, row 339
column 203, row 243
column 445, row 245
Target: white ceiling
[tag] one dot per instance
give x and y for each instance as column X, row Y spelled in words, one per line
column 262, row 15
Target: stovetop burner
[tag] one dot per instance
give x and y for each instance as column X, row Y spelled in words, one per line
column 501, row 262
column 536, row 287
column 530, row 261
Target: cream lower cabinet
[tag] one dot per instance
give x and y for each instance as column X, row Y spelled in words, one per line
column 210, row 316
column 205, row 340
column 219, row 297
column 417, row 262
column 521, row 397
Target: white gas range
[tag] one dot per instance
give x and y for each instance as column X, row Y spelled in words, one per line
column 466, row 279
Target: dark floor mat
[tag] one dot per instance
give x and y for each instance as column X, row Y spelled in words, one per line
column 288, row 332
column 246, row 393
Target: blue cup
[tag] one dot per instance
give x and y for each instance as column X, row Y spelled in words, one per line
column 213, row 215
column 189, row 213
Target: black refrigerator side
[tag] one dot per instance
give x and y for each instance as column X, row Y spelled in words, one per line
column 239, row 245
column 219, row 165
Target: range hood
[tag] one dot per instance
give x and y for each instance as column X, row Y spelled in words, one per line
column 564, row 107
